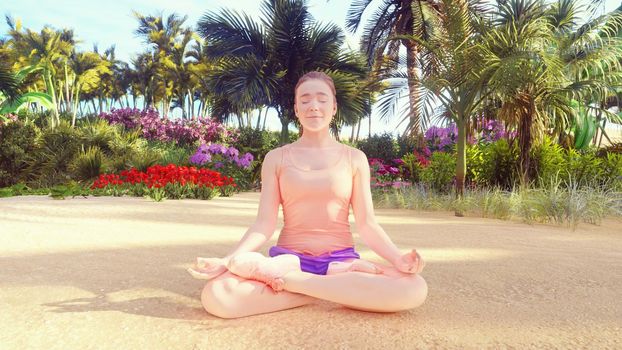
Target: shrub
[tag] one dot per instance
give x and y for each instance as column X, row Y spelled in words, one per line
column 88, row 164
column 439, row 175
column 17, row 141
column 380, row 147
column 548, row 161
column 493, row 165
column 55, row 148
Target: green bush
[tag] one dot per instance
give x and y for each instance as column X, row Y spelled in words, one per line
column 99, row 134
column 88, row 164
column 493, row 165
column 612, row 171
column 440, row 173
column 380, row 146
column 49, row 162
column 548, row 162
column 17, row 141
column 584, row 167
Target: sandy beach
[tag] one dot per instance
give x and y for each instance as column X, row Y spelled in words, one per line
column 108, row 273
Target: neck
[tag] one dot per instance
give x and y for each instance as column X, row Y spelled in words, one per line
column 321, row 139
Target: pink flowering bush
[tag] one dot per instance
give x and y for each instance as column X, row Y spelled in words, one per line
column 387, row 175
column 492, row 130
column 180, row 131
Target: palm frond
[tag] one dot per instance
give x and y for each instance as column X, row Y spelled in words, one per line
column 231, row 33
column 355, row 13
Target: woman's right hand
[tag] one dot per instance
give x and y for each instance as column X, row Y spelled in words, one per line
column 208, row 268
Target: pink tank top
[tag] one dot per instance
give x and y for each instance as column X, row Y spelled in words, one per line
column 315, row 204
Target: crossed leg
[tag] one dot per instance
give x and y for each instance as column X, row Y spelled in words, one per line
column 230, row 296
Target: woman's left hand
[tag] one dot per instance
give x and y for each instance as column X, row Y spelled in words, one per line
column 410, row 263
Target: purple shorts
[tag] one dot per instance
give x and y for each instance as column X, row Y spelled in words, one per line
column 317, row 264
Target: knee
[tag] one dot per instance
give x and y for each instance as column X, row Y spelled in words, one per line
column 215, row 301
column 416, row 291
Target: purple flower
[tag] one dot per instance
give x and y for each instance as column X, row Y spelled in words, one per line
column 232, row 152
column 216, row 148
column 200, row 158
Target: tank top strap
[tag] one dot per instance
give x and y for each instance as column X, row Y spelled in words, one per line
column 278, row 170
column 349, row 156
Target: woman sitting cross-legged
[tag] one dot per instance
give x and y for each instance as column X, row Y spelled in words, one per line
column 315, row 179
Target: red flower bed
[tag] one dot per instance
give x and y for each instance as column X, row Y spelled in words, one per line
column 159, row 176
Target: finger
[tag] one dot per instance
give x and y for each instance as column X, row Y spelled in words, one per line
column 365, row 266
column 205, row 270
column 206, row 274
column 197, row 274
column 205, row 262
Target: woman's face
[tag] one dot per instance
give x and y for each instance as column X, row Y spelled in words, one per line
column 315, row 105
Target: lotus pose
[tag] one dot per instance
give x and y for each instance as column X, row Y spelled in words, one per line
column 315, row 179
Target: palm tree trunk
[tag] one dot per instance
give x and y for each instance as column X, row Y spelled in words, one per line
column 68, row 97
column 358, row 129
column 369, row 131
column 284, row 127
column 413, row 89
column 74, row 108
column 265, row 117
column 258, row 118
column 190, row 104
column 461, row 156
column 182, row 104
column 51, row 91
column 524, row 142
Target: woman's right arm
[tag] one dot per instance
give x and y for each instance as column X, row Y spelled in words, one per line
column 267, row 214
column 260, row 231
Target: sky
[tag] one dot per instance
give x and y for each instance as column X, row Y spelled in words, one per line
column 111, row 22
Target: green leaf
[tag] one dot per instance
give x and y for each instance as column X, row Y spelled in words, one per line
column 41, row 98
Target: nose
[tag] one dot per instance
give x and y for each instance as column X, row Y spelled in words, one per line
column 314, row 105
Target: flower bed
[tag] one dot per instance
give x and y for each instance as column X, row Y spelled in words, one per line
column 181, row 131
column 170, row 181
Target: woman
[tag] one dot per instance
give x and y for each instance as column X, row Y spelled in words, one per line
column 315, row 179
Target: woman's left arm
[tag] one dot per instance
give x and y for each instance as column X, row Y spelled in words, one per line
column 370, row 231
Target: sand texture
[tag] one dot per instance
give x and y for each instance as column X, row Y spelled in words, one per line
column 108, row 273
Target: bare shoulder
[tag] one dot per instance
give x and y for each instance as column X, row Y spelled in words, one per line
column 359, row 159
column 357, row 155
column 273, row 158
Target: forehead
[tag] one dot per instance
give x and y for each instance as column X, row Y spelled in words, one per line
column 314, row 87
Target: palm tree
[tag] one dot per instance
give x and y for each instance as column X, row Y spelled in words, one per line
column 397, row 18
column 259, row 63
column 458, row 80
column 539, row 60
column 162, row 35
column 87, row 69
column 42, row 49
column 180, row 73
